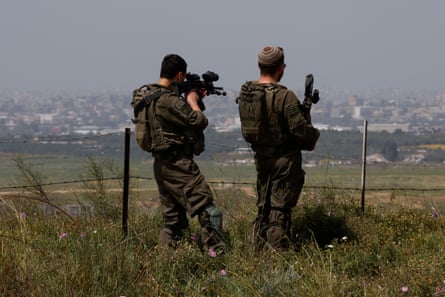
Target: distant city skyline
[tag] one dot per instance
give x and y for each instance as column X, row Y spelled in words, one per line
column 112, row 44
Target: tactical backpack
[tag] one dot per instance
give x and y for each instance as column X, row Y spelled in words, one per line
column 141, row 103
column 259, row 122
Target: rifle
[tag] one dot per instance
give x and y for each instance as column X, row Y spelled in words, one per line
column 204, row 87
column 310, row 96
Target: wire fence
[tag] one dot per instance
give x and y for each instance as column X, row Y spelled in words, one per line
column 225, row 183
column 37, row 186
column 328, row 159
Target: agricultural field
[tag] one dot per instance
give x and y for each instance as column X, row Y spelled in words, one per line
column 68, row 176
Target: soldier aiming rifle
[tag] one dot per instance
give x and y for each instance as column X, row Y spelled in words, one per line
column 204, row 87
column 170, row 125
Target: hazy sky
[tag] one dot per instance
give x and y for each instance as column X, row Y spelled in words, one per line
column 118, row 44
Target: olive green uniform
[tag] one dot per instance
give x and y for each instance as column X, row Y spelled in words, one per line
column 177, row 133
column 278, row 129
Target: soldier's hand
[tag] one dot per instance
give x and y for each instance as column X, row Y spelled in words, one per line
column 193, row 99
column 203, row 93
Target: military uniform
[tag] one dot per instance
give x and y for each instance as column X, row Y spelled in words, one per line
column 177, row 133
column 278, row 129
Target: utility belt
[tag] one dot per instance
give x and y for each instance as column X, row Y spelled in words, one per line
column 175, row 152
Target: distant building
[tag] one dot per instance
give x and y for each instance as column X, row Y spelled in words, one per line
column 391, row 128
column 46, row 118
column 87, row 130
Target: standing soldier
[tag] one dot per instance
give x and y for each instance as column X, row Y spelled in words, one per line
column 278, row 128
column 177, row 127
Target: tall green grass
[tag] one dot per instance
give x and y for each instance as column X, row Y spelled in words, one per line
column 337, row 252
column 392, row 249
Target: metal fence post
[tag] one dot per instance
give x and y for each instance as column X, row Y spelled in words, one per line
column 126, row 182
column 365, row 132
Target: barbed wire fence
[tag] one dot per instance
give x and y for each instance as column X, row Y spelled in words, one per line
column 328, row 159
column 125, row 177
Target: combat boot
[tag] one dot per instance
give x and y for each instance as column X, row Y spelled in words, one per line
column 210, row 220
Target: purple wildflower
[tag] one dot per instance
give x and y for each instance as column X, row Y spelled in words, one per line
column 63, row 235
column 212, row 253
column 434, row 212
column 404, row 289
column 223, row 272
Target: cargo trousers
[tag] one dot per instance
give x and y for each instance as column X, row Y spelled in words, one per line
column 280, row 180
column 183, row 191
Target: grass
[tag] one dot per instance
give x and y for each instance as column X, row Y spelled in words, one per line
column 393, row 249
column 341, row 253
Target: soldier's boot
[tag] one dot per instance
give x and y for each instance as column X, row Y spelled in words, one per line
column 210, row 220
column 170, row 235
column 259, row 237
column 278, row 231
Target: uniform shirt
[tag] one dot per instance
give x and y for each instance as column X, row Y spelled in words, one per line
column 285, row 126
column 179, row 124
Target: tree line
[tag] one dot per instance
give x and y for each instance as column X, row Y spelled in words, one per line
column 393, row 147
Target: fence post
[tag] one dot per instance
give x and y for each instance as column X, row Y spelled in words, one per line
column 126, row 182
column 365, row 133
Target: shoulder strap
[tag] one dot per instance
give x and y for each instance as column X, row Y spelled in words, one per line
column 146, row 101
column 270, row 97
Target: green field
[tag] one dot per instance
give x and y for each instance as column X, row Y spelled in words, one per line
column 64, row 175
column 66, row 168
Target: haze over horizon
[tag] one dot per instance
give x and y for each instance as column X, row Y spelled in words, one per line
column 346, row 44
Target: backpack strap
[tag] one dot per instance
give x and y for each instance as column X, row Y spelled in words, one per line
column 146, row 101
column 270, row 97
